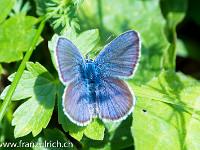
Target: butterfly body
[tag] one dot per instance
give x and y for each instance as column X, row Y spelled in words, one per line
column 95, row 88
column 92, row 80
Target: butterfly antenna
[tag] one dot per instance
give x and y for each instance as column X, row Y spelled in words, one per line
column 103, row 44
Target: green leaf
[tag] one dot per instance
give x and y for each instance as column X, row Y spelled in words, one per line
column 1, row 70
column 117, row 136
column 16, row 34
column 95, row 125
column 87, row 40
column 95, row 130
column 161, row 94
column 41, row 6
column 60, row 13
column 77, row 2
column 6, row 6
column 115, row 16
column 34, row 114
column 181, row 48
column 56, row 135
column 174, row 12
column 157, row 123
column 55, row 139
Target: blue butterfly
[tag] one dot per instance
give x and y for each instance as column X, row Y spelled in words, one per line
column 94, row 88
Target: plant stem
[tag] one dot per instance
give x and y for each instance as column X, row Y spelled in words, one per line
column 20, row 71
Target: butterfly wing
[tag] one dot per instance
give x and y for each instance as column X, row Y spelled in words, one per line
column 121, row 56
column 70, row 61
column 76, row 102
column 114, row 98
column 71, row 67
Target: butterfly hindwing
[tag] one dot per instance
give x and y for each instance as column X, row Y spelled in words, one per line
column 121, row 56
column 115, row 100
column 76, row 102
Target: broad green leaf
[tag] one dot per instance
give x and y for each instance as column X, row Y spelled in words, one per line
column 28, row 84
column 16, row 34
column 6, row 6
column 115, row 16
column 95, row 130
column 159, row 93
column 174, row 12
column 34, row 114
column 157, row 123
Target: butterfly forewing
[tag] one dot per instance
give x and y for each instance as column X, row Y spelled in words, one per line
column 121, row 56
column 70, row 61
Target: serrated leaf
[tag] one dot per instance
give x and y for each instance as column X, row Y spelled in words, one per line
column 27, row 82
column 156, row 123
column 146, row 17
column 16, row 34
column 35, row 113
column 95, row 130
column 6, row 6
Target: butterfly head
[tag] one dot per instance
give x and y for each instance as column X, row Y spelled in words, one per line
column 88, row 59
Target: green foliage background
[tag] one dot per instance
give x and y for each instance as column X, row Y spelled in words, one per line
column 167, row 111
